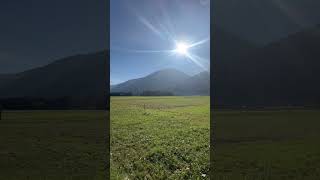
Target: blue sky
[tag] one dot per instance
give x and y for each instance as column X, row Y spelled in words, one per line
column 143, row 34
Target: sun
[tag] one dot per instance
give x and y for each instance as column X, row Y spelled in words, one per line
column 182, row 48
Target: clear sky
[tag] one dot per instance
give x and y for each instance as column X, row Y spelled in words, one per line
column 144, row 33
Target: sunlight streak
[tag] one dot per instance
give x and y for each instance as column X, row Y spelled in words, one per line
column 150, row 26
column 163, row 27
column 199, row 42
column 290, row 12
column 114, row 48
column 195, row 59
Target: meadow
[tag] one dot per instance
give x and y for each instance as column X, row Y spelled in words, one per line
column 266, row 145
column 53, row 145
column 160, row 137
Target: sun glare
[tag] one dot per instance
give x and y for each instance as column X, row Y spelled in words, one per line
column 182, row 48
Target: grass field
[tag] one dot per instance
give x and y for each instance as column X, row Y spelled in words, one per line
column 54, row 145
column 267, row 145
column 160, row 137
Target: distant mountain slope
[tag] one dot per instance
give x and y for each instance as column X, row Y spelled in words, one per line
column 162, row 80
column 6, row 78
column 280, row 74
column 82, row 78
column 227, row 48
column 198, row 84
column 169, row 80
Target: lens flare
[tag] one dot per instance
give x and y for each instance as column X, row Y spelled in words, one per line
column 182, row 48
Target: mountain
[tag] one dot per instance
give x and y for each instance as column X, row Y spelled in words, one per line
column 198, row 84
column 265, row 21
column 167, row 80
column 226, row 48
column 280, row 74
column 82, row 79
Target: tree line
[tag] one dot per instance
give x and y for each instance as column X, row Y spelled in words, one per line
column 144, row 93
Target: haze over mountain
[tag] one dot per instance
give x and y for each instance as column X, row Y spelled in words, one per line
column 167, row 80
column 282, row 73
column 198, row 84
column 265, row 21
column 82, row 79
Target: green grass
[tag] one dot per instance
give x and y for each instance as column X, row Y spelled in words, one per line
column 266, row 145
column 53, row 145
column 160, row 137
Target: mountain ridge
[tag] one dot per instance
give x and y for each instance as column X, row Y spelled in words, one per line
column 281, row 73
column 80, row 78
column 166, row 80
